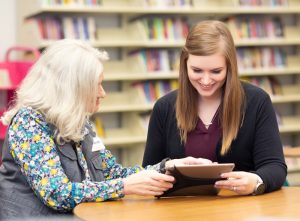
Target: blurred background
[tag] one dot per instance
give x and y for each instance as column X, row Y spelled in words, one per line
column 144, row 39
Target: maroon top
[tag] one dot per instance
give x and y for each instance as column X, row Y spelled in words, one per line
column 202, row 142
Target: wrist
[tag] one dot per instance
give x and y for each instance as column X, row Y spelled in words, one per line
column 259, row 186
column 124, row 187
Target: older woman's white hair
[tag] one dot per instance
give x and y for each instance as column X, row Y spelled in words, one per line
column 62, row 85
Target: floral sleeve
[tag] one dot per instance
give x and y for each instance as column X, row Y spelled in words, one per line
column 113, row 170
column 33, row 149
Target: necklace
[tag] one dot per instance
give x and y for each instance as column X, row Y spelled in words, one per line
column 213, row 119
column 208, row 124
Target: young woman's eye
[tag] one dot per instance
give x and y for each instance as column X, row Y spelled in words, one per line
column 197, row 70
column 216, row 72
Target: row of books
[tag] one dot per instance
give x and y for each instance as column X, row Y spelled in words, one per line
column 151, row 28
column 269, row 84
column 150, row 91
column 293, row 163
column 54, row 28
column 101, row 128
column 152, row 60
column 72, row 2
column 167, row 60
column 263, row 2
column 167, row 3
column 152, row 3
column 168, row 28
column 265, row 57
column 162, row 28
column 245, row 27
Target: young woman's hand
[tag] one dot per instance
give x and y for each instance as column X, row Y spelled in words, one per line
column 187, row 161
column 242, row 183
column 147, row 182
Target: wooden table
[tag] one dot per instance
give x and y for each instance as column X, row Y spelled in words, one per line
column 280, row 204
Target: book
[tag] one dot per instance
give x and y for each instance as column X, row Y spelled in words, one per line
column 99, row 127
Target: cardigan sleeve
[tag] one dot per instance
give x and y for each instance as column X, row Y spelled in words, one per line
column 155, row 146
column 268, row 153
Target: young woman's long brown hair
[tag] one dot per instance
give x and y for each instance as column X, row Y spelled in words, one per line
column 207, row 38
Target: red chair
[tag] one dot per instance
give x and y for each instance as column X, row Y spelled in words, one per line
column 16, row 71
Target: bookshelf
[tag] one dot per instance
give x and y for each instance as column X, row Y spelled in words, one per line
column 111, row 20
column 203, row 7
column 292, row 156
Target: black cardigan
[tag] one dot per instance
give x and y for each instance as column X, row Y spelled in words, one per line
column 257, row 147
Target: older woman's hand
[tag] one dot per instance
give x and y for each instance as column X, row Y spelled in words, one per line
column 147, row 182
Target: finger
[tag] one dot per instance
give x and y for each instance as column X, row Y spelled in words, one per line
column 228, row 187
column 229, row 183
column 151, row 190
column 150, row 193
column 157, row 193
column 162, row 177
column 156, row 188
column 242, row 190
column 161, row 184
column 166, row 185
column 193, row 161
column 204, row 161
column 235, row 175
column 234, row 188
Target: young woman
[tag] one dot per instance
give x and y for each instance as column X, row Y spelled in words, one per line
column 52, row 158
column 214, row 115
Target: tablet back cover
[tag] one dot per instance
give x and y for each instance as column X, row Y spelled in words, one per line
column 194, row 180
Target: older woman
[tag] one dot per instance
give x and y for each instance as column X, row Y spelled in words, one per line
column 52, row 158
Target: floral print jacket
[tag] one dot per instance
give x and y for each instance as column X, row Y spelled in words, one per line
column 31, row 143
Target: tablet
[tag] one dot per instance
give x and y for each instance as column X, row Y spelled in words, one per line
column 194, row 180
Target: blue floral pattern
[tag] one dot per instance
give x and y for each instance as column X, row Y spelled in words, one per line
column 32, row 146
